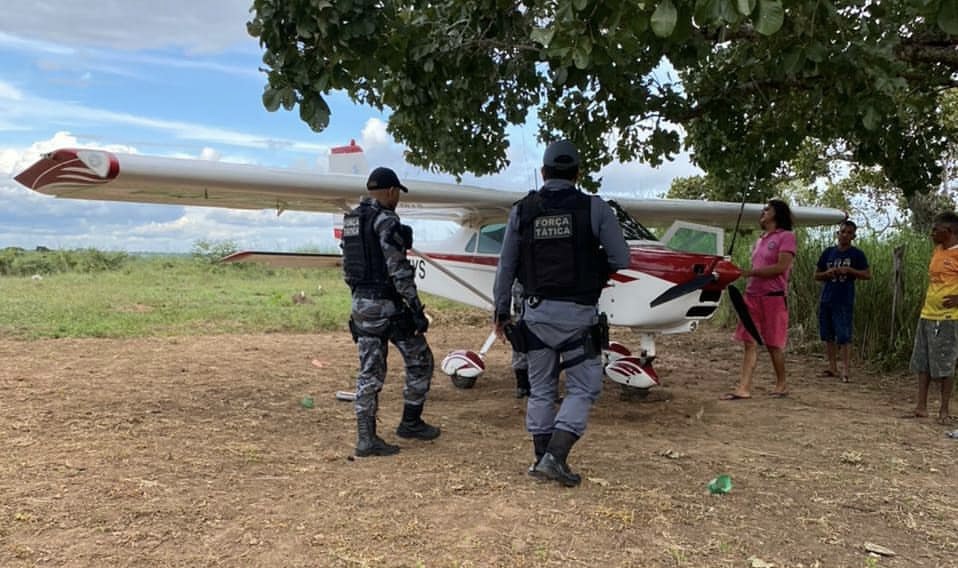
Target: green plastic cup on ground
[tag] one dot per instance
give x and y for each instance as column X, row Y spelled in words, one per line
column 307, row 402
column 720, row 485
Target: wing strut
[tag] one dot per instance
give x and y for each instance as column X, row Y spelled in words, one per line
column 455, row 278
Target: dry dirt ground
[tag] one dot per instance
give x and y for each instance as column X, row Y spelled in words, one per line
column 197, row 452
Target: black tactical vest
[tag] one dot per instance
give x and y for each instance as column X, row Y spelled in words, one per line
column 559, row 256
column 364, row 266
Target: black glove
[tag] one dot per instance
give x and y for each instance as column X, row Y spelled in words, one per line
column 419, row 319
column 421, row 322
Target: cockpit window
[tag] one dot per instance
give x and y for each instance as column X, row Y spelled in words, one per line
column 631, row 229
column 471, row 245
column 490, row 238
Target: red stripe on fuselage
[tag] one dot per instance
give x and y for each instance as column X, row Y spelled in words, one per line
column 670, row 265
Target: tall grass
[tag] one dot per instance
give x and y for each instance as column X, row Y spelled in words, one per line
column 882, row 338
column 17, row 262
column 176, row 296
column 168, row 296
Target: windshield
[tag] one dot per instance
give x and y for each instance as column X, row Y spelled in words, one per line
column 631, row 229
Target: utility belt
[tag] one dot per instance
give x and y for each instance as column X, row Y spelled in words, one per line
column 581, row 299
column 593, row 341
column 376, row 293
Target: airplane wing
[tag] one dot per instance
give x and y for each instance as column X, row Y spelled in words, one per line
column 106, row 176
column 721, row 213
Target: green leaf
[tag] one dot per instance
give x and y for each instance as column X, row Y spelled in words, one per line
column 315, row 112
column 271, row 99
column 664, row 18
column 871, row 120
column 706, row 12
column 542, row 36
column 771, row 16
column 793, row 60
column 580, row 4
column 287, row 97
column 745, row 7
column 727, row 11
column 816, row 52
column 581, row 57
column 948, row 17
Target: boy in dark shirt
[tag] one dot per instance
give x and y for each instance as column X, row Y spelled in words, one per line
column 839, row 267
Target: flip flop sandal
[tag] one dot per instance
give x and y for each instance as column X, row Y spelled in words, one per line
column 733, row 396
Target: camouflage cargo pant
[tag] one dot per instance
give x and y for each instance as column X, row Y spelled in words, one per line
column 373, row 343
column 519, row 361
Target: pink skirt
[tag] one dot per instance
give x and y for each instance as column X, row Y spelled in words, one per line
column 770, row 314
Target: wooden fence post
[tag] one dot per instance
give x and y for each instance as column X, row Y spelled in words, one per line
column 897, row 289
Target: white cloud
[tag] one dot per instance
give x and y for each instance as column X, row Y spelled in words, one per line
column 9, row 92
column 204, row 26
column 33, row 109
column 210, row 154
column 374, row 134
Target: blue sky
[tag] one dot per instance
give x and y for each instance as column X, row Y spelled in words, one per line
column 177, row 78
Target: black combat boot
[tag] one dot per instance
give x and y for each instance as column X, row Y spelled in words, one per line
column 412, row 425
column 540, row 442
column 367, row 442
column 522, row 383
column 553, row 463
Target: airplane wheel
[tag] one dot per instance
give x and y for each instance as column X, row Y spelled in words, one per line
column 633, row 393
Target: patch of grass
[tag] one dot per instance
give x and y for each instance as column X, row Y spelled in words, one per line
column 175, row 296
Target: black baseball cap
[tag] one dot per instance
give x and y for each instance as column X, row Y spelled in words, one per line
column 561, row 155
column 384, row 178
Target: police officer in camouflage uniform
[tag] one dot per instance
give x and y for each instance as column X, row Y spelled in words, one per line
column 520, row 365
column 562, row 245
column 385, row 308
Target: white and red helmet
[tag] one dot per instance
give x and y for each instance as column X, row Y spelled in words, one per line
column 463, row 367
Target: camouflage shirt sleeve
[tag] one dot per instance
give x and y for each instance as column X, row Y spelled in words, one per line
column 394, row 251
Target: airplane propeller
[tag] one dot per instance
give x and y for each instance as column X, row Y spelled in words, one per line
column 741, row 310
column 735, row 295
column 709, row 276
column 687, row 287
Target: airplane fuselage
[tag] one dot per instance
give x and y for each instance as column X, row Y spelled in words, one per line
column 653, row 269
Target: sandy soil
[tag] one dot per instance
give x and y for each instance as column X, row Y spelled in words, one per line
column 197, row 452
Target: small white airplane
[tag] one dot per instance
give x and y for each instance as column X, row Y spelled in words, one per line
column 663, row 291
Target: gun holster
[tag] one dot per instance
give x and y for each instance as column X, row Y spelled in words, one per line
column 354, row 330
column 516, row 335
column 402, row 326
column 600, row 334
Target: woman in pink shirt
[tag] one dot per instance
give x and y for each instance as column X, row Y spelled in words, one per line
column 765, row 296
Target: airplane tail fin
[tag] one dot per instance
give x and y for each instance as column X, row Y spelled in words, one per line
column 348, row 159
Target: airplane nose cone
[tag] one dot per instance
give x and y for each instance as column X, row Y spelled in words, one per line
column 727, row 272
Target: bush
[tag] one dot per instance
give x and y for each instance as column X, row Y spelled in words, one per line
column 214, row 251
column 17, row 262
